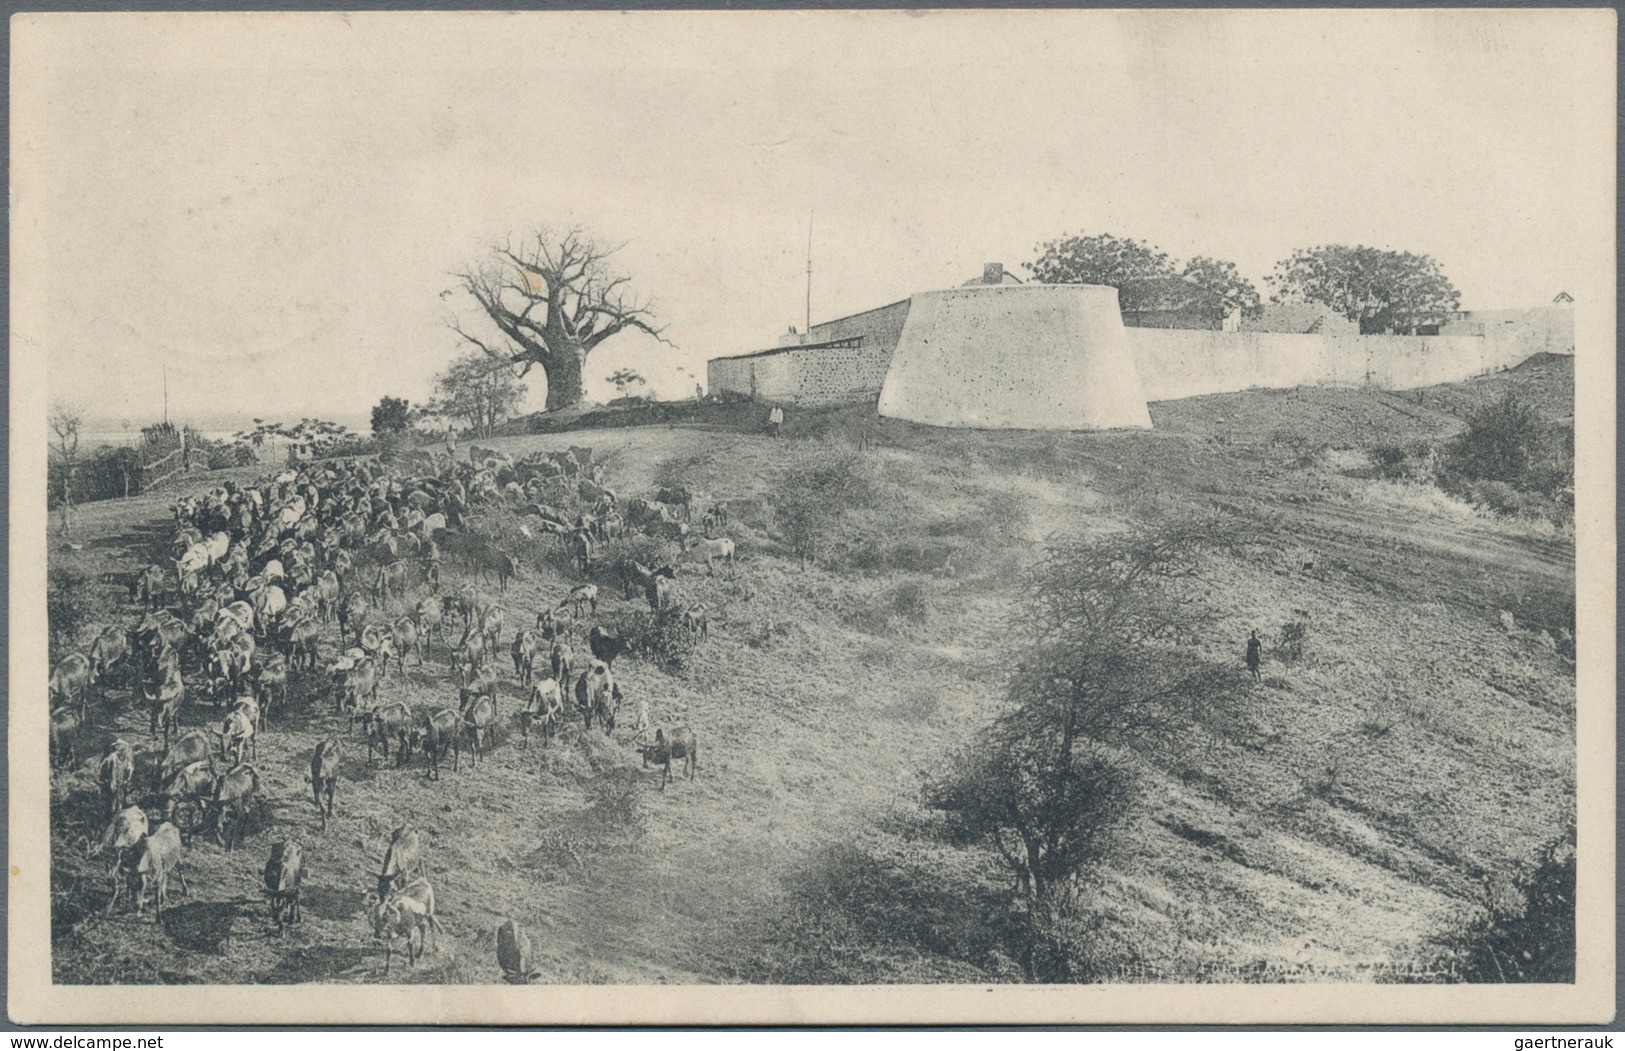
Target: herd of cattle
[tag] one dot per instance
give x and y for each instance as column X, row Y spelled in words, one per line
column 261, row 575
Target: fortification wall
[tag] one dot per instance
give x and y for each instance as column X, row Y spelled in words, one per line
column 815, row 377
column 880, row 328
column 1176, row 363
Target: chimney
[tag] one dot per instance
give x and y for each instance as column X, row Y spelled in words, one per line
column 993, row 274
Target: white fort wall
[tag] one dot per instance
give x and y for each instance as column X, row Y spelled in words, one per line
column 1037, row 356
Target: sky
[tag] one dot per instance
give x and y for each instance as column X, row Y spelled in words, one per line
column 271, row 205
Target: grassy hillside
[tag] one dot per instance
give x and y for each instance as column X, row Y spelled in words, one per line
column 1360, row 801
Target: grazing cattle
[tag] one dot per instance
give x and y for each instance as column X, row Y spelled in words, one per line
column 712, row 552
column 478, row 718
column 408, row 912
column 384, row 724
column 65, row 723
column 70, row 679
column 405, row 638
column 353, row 614
column 560, row 659
column 430, row 614
column 360, row 684
column 606, row 645
column 403, row 858
column 491, row 622
column 640, row 728
column 237, row 737
column 544, row 708
column 283, row 875
column 270, row 603
column 525, row 645
column 270, row 681
column 189, row 784
column 467, row 604
column 697, row 621
column 584, row 595
column 467, row 657
column 123, row 833
column 436, row 734
column 303, row 645
column 324, row 776
column 556, row 622
column 239, row 612
column 235, row 791
column 581, row 548
column 114, row 775
column 150, row 587
column 514, row 954
column 110, row 650
column 189, row 748
column 597, row 695
column 677, row 497
column 716, row 517
column 154, row 860
column 483, row 683
column 329, row 593
column 680, row 745
column 165, row 703
column 661, row 593
column 390, row 581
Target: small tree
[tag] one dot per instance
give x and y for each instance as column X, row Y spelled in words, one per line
column 628, row 384
column 478, row 391
column 391, row 416
column 66, row 421
column 1385, row 291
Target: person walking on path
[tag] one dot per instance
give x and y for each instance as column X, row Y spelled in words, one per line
column 775, row 421
column 1254, row 653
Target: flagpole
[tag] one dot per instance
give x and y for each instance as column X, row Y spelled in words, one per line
column 808, row 329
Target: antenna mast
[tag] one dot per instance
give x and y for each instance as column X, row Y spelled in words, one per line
column 808, row 329
column 166, row 392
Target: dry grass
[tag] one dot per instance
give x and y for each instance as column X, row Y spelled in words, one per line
column 1343, row 812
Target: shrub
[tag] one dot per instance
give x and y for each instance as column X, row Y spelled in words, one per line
column 1523, row 935
column 911, row 601
column 1292, row 641
column 67, row 608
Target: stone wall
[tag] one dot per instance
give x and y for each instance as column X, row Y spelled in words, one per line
column 815, row 376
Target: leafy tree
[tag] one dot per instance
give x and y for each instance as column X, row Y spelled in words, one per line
column 552, row 301
column 391, row 415
column 626, row 382
column 1220, row 277
column 1103, row 259
column 66, row 422
column 478, row 391
column 1383, row 290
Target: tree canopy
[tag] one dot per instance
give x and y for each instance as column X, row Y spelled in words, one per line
column 391, row 415
column 1141, row 273
column 1383, row 290
column 1220, row 277
column 550, row 301
column 477, row 391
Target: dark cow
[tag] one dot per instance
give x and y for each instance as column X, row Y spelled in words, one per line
column 680, row 745
column 606, row 645
column 189, row 748
column 324, row 776
column 482, row 685
column 235, row 791
column 525, row 644
column 65, row 723
column 283, row 875
column 678, row 498
column 478, row 718
column 437, row 734
column 270, row 674
column 597, row 695
column 385, row 724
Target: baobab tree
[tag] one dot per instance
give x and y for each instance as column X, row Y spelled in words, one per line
column 66, row 420
column 552, row 301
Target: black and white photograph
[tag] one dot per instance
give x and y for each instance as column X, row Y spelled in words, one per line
column 822, row 517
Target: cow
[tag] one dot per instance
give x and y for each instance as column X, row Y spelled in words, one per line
column 150, row 587
column 661, row 593
column 584, row 595
column 324, row 776
column 676, row 497
column 561, row 660
column 390, row 721
column 680, row 745
column 430, row 615
column 110, row 650
column 403, row 858
column 123, row 833
column 70, row 679
column 237, row 736
column 556, row 622
column 270, row 681
column 115, row 774
column 606, row 645
column 389, row 581
column 65, row 723
column 192, row 783
column 375, row 641
column 478, row 718
column 712, row 552
column 581, row 549
column 467, row 658
column 544, row 707
column 467, row 603
column 234, row 792
column 597, row 695
column 189, row 748
column 405, row 638
column 525, row 645
column 269, row 603
column 360, row 682
column 353, row 614
column 329, row 593
column 165, row 704
column 514, row 954
column 697, row 621
column 408, row 911
column 303, row 645
column 283, row 875
column 150, row 864
column 491, row 622
column 437, row 734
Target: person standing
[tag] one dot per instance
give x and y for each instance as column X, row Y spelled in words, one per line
column 775, row 421
column 1254, row 653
